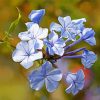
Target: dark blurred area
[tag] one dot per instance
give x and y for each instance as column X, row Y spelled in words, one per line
column 13, row 77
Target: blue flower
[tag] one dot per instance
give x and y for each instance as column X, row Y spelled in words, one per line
column 75, row 82
column 88, row 58
column 69, row 29
column 35, row 33
column 36, row 15
column 25, row 53
column 88, row 36
column 45, row 74
column 54, row 44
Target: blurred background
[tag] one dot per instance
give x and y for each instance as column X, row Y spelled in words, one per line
column 13, row 78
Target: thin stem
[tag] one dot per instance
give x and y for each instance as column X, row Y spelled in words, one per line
column 74, row 43
column 76, row 56
column 75, row 51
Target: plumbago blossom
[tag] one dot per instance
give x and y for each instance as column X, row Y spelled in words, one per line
column 37, row 44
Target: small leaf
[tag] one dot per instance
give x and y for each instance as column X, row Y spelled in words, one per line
column 14, row 23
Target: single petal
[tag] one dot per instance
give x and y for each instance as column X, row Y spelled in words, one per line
column 79, row 85
column 58, row 50
column 55, row 75
column 55, row 27
column 60, row 43
column 46, row 67
column 18, row 55
column 70, row 78
column 80, row 75
column 87, row 33
column 91, row 41
column 79, row 21
column 36, row 56
column 23, row 45
column 53, row 37
column 67, row 20
column 42, row 33
column 36, row 15
column 37, row 85
column 75, row 91
column 24, row 36
column 34, row 29
column 26, row 63
column 51, row 85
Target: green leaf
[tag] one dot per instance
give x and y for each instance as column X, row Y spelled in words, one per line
column 14, row 23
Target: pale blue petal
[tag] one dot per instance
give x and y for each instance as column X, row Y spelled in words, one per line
column 53, row 37
column 55, row 75
column 70, row 78
column 18, row 55
column 87, row 33
column 61, row 21
column 67, row 20
column 24, row 36
column 91, row 41
column 55, row 27
column 34, row 29
column 75, row 91
column 79, row 21
column 36, row 56
column 80, row 75
column 42, row 33
column 46, row 68
column 60, row 43
column 51, row 85
column 23, row 46
column 79, row 85
column 64, row 21
column 26, row 63
column 36, row 15
column 58, row 50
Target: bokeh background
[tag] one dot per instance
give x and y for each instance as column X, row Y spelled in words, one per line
column 13, row 77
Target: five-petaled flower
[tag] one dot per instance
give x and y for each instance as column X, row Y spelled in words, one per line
column 55, row 45
column 45, row 74
column 88, row 58
column 69, row 29
column 36, row 34
column 75, row 81
column 26, row 54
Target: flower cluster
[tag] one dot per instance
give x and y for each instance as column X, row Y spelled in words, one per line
column 48, row 47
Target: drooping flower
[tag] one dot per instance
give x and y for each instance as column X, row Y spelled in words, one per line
column 45, row 74
column 75, row 82
column 55, row 45
column 88, row 58
column 69, row 29
column 88, row 36
column 26, row 53
column 35, row 33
